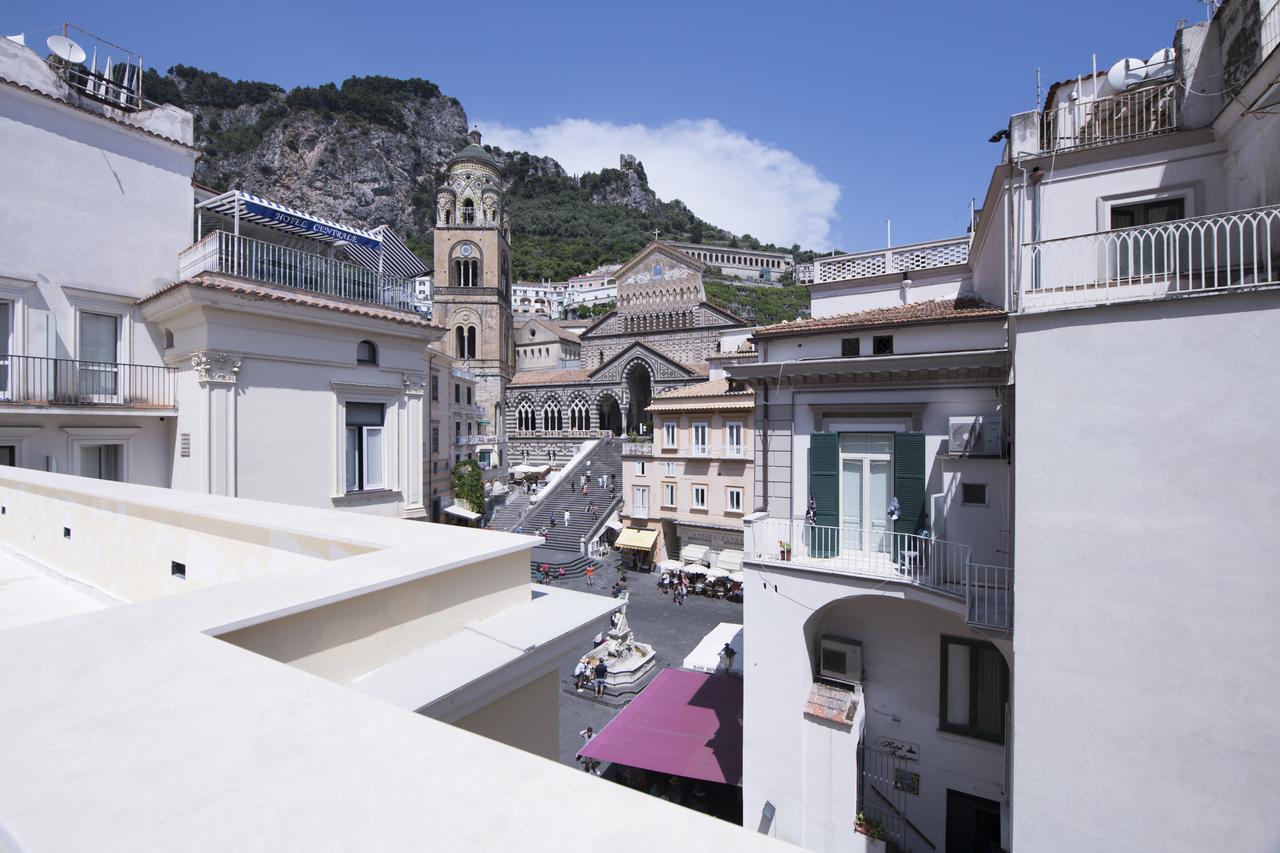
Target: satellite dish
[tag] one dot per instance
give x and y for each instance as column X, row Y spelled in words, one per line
column 64, row 48
column 1126, row 73
column 1161, row 63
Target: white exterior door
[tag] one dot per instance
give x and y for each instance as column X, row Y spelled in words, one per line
column 866, row 467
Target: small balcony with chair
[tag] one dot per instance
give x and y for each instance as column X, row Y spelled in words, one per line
column 244, row 236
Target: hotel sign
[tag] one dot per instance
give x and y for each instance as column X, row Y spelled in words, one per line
column 310, row 225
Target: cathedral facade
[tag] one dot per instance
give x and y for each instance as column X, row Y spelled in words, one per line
column 659, row 337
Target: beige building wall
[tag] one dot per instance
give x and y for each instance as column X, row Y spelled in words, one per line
column 528, row 718
column 690, row 486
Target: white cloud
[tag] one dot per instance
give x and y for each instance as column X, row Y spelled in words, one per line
column 726, row 178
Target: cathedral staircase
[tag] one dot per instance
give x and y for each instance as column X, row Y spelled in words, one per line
column 605, row 458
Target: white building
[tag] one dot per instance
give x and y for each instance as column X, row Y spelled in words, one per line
column 1108, row 364
column 136, row 354
column 740, row 263
column 280, row 677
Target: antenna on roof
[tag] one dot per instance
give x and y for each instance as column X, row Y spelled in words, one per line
column 64, row 48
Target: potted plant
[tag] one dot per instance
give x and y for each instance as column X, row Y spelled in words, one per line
column 869, row 826
column 784, row 550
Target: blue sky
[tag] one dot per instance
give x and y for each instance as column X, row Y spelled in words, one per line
column 806, row 122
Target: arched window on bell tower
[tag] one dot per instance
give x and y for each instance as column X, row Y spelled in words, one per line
column 471, row 342
column 468, row 212
column 460, row 342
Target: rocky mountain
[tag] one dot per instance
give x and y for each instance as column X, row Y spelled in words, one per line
column 372, row 151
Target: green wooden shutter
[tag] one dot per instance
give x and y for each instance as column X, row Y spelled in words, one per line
column 824, row 488
column 908, row 480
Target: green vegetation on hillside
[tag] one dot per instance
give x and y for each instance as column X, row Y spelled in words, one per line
column 759, row 306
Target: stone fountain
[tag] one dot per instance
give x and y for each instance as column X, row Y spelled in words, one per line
column 628, row 660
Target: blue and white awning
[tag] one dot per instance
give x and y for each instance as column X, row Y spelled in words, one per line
column 371, row 249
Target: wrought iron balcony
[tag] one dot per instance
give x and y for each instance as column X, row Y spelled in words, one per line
column 1213, row 253
column 27, row 380
column 1088, row 123
column 270, row 263
column 879, row 554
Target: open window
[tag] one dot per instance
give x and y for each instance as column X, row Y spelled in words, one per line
column 366, row 447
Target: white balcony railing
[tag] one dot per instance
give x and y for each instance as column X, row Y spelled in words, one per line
column 699, row 450
column 1135, row 114
column 1205, row 253
column 880, row 554
column 637, row 448
column 917, row 256
column 257, row 260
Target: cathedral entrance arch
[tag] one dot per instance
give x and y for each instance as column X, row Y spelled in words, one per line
column 639, row 382
column 609, row 414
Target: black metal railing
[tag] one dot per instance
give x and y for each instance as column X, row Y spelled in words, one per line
column 38, row 381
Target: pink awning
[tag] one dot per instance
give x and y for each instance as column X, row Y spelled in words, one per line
column 684, row 723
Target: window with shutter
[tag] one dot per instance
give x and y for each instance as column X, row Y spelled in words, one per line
column 908, row 481
column 824, row 489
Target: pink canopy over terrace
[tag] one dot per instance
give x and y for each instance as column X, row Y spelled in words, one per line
column 684, row 723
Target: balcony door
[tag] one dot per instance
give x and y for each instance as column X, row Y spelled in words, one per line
column 1148, row 251
column 99, row 357
column 866, row 476
column 6, row 347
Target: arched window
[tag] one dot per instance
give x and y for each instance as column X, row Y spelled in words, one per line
column 168, row 339
column 366, row 352
column 552, row 418
column 579, row 415
column 460, row 342
column 448, row 216
column 468, row 212
column 471, row 342
column 524, row 416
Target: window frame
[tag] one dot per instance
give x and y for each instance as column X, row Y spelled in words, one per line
column 670, row 435
column 372, row 357
column 854, row 344
column 970, row 729
column 673, row 491
column 694, row 488
column 879, row 344
column 729, row 493
column 369, row 477
column 964, row 498
column 671, row 470
column 696, row 449
column 731, row 448
column 640, row 468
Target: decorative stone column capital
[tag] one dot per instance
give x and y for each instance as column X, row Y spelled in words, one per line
column 216, row 367
column 415, row 384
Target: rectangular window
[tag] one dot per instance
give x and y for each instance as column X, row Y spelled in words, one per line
column 435, row 439
column 733, row 499
column 973, row 494
column 850, row 347
column 468, row 395
column 99, row 352
column 8, row 454
column 6, row 346
column 669, row 495
column 733, row 439
column 974, row 689
column 1144, row 253
column 698, row 497
column 366, row 450
column 435, row 388
column 699, row 439
column 640, row 500
column 882, row 345
column 102, row 461
column 639, row 467
column 669, row 434
column 671, row 469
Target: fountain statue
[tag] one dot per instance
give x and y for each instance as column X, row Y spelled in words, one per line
column 628, row 660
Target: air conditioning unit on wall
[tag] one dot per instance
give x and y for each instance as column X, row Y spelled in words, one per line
column 977, row 435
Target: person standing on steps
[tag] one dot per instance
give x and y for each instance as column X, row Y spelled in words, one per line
column 566, row 518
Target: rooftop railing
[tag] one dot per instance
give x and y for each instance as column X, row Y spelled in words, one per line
column 1202, row 254
column 881, row 554
column 917, row 256
column 37, row 381
column 637, row 448
column 1135, row 114
column 258, row 260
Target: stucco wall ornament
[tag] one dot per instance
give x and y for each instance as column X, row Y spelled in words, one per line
column 219, row 367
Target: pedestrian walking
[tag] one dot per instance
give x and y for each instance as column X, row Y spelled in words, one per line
column 589, row 764
column 591, row 574
column 566, row 518
column 601, row 672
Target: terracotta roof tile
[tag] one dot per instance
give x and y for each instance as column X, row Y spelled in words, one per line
column 550, row 377
column 964, row 307
column 294, row 296
column 828, row 702
column 713, row 388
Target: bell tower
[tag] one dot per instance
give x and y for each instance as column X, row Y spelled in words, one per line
column 472, row 284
